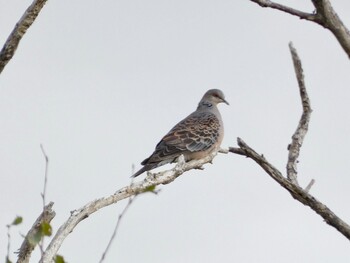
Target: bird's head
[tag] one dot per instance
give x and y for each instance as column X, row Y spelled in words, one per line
column 214, row 96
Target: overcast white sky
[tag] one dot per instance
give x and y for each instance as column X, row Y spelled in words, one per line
column 98, row 83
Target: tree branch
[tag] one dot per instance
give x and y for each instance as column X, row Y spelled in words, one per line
column 17, row 33
column 28, row 246
column 324, row 16
column 297, row 192
column 290, row 183
column 287, row 9
column 151, row 180
column 299, row 134
column 330, row 20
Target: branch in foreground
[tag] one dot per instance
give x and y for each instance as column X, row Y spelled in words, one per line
column 299, row 134
column 297, row 192
column 28, row 246
column 17, row 33
column 151, row 180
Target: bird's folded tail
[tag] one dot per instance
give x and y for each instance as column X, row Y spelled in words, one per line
column 146, row 168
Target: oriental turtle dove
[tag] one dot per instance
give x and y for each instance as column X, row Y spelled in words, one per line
column 195, row 137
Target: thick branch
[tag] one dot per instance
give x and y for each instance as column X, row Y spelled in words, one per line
column 151, row 180
column 330, row 20
column 297, row 192
column 17, row 33
column 299, row 134
column 27, row 246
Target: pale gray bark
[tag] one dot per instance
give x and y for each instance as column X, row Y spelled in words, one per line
column 80, row 214
column 303, row 126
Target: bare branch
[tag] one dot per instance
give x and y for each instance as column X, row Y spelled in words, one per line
column 27, row 246
column 324, row 16
column 43, row 194
column 298, row 193
column 151, row 180
column 299, row 134
column 286, row 9
column 330, row 20
column 17, row 33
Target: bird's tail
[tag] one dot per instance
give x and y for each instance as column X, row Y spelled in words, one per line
column 146, row 168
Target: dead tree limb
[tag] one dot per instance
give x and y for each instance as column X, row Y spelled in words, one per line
column 323, row 15
column 18, row 32
column 303, row 126
column 296, row 191
column 290, row 181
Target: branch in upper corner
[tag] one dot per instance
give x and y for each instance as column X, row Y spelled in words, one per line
column 303, row 126
column 287, row 9
column 324, row 15
column 330, row 20
column 17, row 33
column 28, row 245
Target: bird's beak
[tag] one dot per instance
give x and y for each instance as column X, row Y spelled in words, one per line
column 225, row 101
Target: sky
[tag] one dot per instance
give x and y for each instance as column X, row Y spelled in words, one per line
column 98, row 83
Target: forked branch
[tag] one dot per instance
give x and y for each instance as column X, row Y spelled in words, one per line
column 290, row 181
column 323, row 15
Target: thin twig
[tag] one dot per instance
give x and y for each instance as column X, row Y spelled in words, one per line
column 308, row 187
column 18, row 32
column 303, row 126
column 130, row 200
column 8, row 243
column 43, row 194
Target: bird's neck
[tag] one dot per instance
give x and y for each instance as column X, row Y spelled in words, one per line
column 206, row 105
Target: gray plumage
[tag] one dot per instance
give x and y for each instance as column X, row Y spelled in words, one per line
column 196, row 136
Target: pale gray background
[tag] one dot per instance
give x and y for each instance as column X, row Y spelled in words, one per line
column 99, row 82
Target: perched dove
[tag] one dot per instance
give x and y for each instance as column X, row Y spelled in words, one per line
column 195, row 137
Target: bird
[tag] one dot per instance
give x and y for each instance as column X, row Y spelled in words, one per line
column 196, row 136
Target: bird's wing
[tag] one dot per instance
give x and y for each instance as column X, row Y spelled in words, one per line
column 198, row 132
